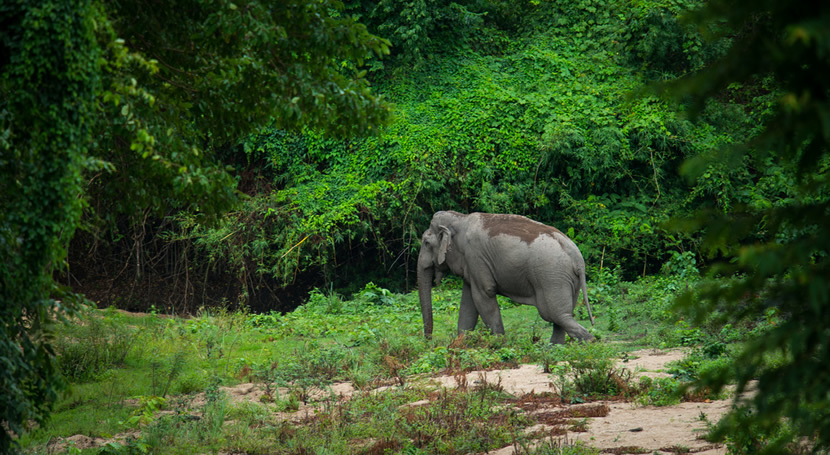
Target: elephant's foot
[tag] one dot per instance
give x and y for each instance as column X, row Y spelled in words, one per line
column 558, row 336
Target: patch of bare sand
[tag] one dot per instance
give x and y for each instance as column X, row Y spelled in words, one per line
column 253, row 392
column 650, row 429
column 627, row 425
column 650, row 362
column 518, row 381
column 529, row 378
column 655, row 429
column 81, row 441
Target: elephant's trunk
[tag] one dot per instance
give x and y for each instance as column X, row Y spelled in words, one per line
column 425, row 276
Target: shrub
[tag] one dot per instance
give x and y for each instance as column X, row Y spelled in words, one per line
column 659, row 391
column 93, row 345
column 590, row 372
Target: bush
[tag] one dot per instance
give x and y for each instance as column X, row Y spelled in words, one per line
column 659, row 391
column 588, row 371
column 93, row 345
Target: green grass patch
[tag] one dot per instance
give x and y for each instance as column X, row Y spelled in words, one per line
column 161, row 378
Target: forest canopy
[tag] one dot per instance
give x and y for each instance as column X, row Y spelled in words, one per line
column 500, row 107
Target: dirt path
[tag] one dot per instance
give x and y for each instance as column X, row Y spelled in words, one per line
column 643, row 429
column 622, row 427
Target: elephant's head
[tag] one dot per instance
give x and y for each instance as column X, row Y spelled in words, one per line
column 432, row 264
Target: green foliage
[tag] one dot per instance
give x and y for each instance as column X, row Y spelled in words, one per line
column 755, row 438
column 177, row 92
column 420, row 30
column 136, row 101
column 644, row 309
column 659, row 391
column 92, row 347
column 131, row 447
column 499, row 106
column 49, row 75
column 180, row 87
column 146, row 411
column 664, row 44
column 592, row 367
column 544, row 127
column 773, row 245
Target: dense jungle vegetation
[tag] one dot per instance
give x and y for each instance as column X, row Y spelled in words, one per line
column 493, row 106
column 250, row 156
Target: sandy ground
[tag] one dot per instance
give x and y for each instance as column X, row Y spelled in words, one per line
column 627, row 427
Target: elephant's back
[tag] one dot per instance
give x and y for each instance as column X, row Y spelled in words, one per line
column 522, row 228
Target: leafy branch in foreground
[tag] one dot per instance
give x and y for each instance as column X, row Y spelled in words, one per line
column 776, row 251
column 137, row 101
column 181, row 88
column 47, row 84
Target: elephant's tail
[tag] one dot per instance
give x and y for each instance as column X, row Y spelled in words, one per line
column 584, row 285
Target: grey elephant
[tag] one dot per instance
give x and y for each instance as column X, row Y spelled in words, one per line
column 510, row 255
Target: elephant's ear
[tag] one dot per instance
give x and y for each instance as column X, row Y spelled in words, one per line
column 444, row 244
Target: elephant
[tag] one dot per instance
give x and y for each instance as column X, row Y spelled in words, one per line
column 509, row 255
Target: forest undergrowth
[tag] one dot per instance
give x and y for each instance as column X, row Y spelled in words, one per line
column 154, row 383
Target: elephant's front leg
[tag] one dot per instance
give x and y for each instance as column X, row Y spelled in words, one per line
column 488, row 307
column 467, row 313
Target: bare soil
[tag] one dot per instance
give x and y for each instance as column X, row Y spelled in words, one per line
column 628, row 427
column 613, row 427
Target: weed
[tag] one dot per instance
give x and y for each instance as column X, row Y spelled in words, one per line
column 130, row 447
column 533, row 401
column 92, row 347
column 263, row 321
column 146, row 412
column 680, row 450
column 394, row 368
column 157, row 374
column 459, row 422
column 190, row 382
column 559, row 446
column 626, row 450
column 268, row 376
column 659, row 391
column 290, row 403
column 573, row 418
column 590, row 373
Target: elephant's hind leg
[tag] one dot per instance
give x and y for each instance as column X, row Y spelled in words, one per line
column 558, row 308
column 567, row 324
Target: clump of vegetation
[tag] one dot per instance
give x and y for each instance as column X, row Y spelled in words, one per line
column 589, row 372
column 92, row 345
column 170, row 386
